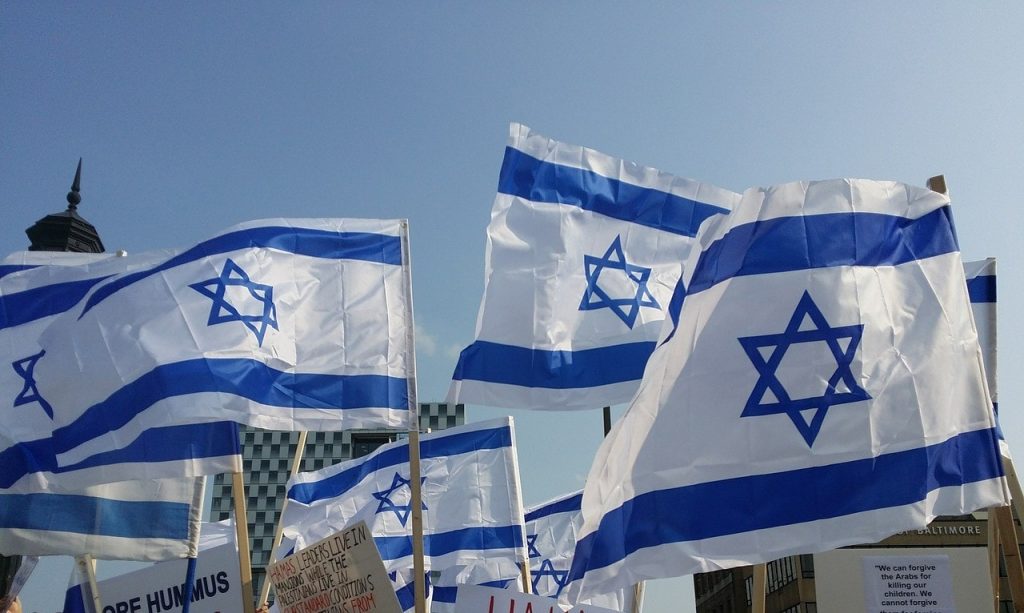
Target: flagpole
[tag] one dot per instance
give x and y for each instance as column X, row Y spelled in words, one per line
column 300, row 448
column 242, row 534
column 993, row 559
column 416, row 495
column 757, row 590
column 87, row 566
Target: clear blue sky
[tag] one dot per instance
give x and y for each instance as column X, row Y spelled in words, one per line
column 192, row 117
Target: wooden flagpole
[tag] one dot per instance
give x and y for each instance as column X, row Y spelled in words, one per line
column 416, row 495
column 87, row 566
column 757, row 590
column 300, row 448
column 242, row 534
column 993, row 559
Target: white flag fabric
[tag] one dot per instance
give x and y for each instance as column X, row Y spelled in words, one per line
column 278, row 324
column 472, row 508
column 583, row 253
column 551, row 531
column 822, row 386
column 45, row 510
column 981, row 287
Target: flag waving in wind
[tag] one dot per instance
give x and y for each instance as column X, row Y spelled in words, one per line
column 472, row 508
column 45, row 510
column 583, row 252
column 822, row 386
column 278, row 324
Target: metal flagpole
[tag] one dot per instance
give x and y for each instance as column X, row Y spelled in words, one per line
column 416, row 496
column 242, row 534
column 300, row 448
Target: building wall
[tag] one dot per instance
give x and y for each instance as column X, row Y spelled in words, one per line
column 792, row 582
column 267, row 461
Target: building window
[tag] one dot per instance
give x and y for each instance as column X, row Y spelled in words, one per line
column 365, row 444
column 780, row 573
column 748, row 585
column 807, row 566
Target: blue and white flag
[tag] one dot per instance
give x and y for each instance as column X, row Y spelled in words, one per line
column 472, row 508
column 45, row 510
column 981, row 287
column 277, row 324
column 822, row 386
column 583, row 253
column 551, row 531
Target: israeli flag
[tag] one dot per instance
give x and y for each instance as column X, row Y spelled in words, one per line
column 981, row 287
column 472, row 507
column 583, row 253
column 551, row 531
column 45, row 510
column 822, row 386
column 278, row 324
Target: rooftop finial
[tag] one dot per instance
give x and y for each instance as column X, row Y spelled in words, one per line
column 74, row 197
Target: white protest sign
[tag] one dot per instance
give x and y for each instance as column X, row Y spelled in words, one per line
column 478, row 599
column 908, row 584
column 160, row 588
column 342, row 573
column 28, row 564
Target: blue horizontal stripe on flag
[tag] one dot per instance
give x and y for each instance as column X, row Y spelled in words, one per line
column 9, row 269
column 33, row 304
column 79, row 514
column 552, row 369
column 245, row 378
column 743, row 504
column 562, row 506
column 447, row 445
column 819, row 241
column 168, row 444
column 164, row 444
column 369, row 247
column 443, row 543
column 448, row 594
column 982, row 289
column 527, row 177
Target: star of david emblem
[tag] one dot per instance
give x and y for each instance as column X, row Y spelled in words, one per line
column 596, row 296
column 547, row 569
column 223, row 311
column 25, row 368
column 767, row 351
column 531, row 544
column 401, row 511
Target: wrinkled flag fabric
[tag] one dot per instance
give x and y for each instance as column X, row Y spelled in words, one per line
column 551, row 531
column 45, row 510
column 822, row 386
column 472, row 507
column 284, row 324
column 583, row 253
column 981, row 287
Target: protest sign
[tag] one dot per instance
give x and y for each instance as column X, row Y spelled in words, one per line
column 342, row 573
column 918, row 584
column 160, row 588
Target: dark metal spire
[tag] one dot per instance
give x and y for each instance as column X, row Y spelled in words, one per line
column 75, row 196
column 66, row 231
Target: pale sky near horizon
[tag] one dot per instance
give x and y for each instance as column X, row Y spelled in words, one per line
column 193, row 117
